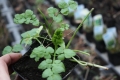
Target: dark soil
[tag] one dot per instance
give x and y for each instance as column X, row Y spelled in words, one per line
column 27, row 68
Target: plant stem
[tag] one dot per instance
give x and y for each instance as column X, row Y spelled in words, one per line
column 38, row 40
column 45, row 38
column 83, row 63
column 79, row 27
column 82, row 52
column 55, row 53
column 46, row 22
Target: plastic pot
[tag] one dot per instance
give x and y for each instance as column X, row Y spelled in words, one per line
column 27, row 68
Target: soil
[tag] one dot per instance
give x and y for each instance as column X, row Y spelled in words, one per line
column 27, row 68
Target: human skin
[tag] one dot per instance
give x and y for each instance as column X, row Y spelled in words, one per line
column 5, row 65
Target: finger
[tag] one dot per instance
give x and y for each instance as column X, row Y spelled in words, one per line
column 18, row 78
column 11, row 58
column 5, row 61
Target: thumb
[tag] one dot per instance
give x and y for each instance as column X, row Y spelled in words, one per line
column 11, row 58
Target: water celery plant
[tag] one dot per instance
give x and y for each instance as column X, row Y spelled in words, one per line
column 52, row 65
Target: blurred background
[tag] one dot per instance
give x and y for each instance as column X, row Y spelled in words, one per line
column 99, row 35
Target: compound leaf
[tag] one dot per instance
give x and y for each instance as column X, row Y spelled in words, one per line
column 48, row 72
column 7, row 50
column 69, row 53
column 17, row 47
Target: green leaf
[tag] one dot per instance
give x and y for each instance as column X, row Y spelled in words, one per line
column 33, row 17
column 17, row 47
column 33, row 55
column 27, row 41
column 39, row 52
column 15, row 21
column 62, row 44
column 48, row 60
column 28, row 12
column 62, row 5
column 59, row 50
column 36, row 23
column 52, row 11
column 72, row 4
column 48, row 56
column 36, row 58
column 64, row 27
column 21, row 21
column 17, row 16
column 69, row 53
column 58, row 18
column 7, row 49
column 48, row 72
column 65, row 11
column 57, row 61
column 43, row 65
column 58, row 69
column 55, row 77
column 57, row 37
column 61, row 57
column 50, row 50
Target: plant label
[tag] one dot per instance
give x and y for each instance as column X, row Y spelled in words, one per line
column 98, row 20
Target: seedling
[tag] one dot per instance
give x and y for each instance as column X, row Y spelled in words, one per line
column 99, row 28
column 52, row 65
column 109, row 40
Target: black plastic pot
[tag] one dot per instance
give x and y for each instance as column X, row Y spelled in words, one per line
column 114, row 58
column 100, row 46
column 27, row 68
column 89, row 36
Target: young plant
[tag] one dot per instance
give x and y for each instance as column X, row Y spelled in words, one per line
column 52, row 65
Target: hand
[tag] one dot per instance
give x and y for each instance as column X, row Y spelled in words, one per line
column 5, row 65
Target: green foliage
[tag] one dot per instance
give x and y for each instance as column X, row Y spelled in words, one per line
column 17, row 48
column 64, row 53
column 64, row 27
column 42, row 52
column 52, row 12
column 62, row 5
column 55, row 77
column 65, row 6
column 29, row 35
column 47, row 73
column 72, row 4
column 27, row 17
column 57, row 37
column 69, row 53
column 7, row 49
column 65, row 11
column 58, row 18
column 52, row 57
column 45, row 64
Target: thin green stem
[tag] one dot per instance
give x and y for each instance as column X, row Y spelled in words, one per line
column 48, row 30
column 83, row 63
column 55, row 53
column 79, row 27
column 38, row 40
column 82, row 52
column 45, row 38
